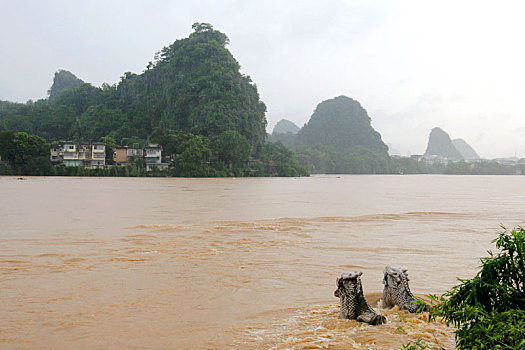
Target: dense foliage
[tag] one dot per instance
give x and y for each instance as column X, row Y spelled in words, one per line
column 480, row 168
column 191, row 98
column 359, row 160
column 339, row 139
column 193, row 86
column 24, row 154
column 489, row 309
column 278, row 159
column 341, row 123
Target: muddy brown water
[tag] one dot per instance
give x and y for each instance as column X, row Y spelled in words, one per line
column 165, row 263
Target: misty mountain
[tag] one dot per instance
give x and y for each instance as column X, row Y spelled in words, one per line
column 341, row 123
column 440, row 144
column 193, row 86
column 465, row 149
column 285, row 132
column 192, row 99
column 339, row 139
column 284, row 126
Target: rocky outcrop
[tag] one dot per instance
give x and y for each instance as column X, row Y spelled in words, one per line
column 397, row 291
column 440, row 144
column 465, row 149
column 63, row 81
column 353, row 303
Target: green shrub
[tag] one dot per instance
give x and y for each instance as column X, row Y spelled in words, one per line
column 489, row 309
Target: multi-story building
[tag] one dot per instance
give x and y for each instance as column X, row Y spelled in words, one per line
column 153, row 157
column 151, row 154
column 90, row 155
column 70, row 154
column 127, row 155
column 98, row 154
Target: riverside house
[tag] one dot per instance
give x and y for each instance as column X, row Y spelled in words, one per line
column 151, row 154
column 89, row 155
column 153, row 157
column 127, row 155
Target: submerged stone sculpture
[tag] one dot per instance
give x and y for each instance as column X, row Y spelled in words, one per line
column 397, row 292
column 353, row 302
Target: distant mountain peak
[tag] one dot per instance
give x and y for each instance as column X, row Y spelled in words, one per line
column 465, row 149
column 440, row 144
column 284, row 126
column 342, row 123
column 62, row 81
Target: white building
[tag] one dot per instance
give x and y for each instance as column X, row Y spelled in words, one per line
column 153, row 157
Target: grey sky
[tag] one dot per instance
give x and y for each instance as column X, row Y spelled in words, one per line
column 412, row 64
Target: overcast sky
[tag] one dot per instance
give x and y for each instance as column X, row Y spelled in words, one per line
column 413, row 65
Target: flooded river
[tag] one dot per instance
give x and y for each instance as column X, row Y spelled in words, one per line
column 166, row 263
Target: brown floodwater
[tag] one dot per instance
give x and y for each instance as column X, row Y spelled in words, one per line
column 168, row 263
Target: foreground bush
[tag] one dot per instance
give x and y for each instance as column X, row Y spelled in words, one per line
column 489, row 309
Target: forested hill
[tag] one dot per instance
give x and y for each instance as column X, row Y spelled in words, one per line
column 341, row 123
column 340, row 139
column 191, row 97
column 193, row 85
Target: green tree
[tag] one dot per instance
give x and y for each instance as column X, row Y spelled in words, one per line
column 233, row 150
column 280, row 161
column 98, row 121
column 26, row 154
column 193, row 161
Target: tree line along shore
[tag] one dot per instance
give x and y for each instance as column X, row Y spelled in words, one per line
column 192, row 100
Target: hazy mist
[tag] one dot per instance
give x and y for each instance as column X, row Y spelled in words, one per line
column 413, row 65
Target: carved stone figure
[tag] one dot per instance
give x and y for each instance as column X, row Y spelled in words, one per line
column 397, row 291
column 353, row 303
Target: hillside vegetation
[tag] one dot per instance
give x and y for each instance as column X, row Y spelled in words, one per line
column 339, row 139
column 191, row 98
